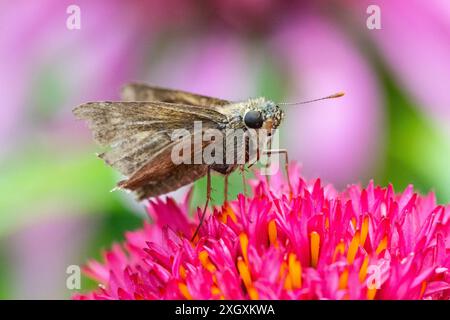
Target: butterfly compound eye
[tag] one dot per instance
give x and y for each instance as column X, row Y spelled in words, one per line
column 253, row 119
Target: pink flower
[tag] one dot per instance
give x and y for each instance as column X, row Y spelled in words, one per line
column 316, row 244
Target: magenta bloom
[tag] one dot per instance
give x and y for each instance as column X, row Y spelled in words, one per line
column 316, row 244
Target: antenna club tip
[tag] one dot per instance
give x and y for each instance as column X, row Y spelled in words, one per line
column 338, row 95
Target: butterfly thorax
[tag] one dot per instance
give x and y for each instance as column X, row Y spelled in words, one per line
column 256, row 113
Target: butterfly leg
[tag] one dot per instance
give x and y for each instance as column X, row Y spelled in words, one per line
column 208, row 197
column 286, row 164
column 225, row 170
column 268, row 163
column 244, row 181
column 225, row 190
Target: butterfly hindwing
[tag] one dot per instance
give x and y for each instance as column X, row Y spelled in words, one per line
column 143, row 92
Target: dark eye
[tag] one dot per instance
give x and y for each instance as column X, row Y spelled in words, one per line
column 253, row 119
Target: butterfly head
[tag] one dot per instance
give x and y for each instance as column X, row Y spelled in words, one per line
column 263, row 114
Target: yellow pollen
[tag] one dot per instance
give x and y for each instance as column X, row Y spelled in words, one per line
column 215, row 291
column 371, row 293
column 283, row 268
column 244, row 245
column 272, row 230
column 214, row 278
column 288, row 283
column 363, row 269
column 227, row 211
column 244, row 272
column 343, row 279
column 295, row 271
column 206, row 263
column 182, row 272
column 422, row 289
column 353, row 249
column 285, row 275
column 222, row 217
column 327, row 223
column 364, row 230
column 315, row 246
column 340, row 249
column 354, row 222
column 230, row 213
column 253, row 293
column 184, row 290
column 382, row 246
column 203, row 257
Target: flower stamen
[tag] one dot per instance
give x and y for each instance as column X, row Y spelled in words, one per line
column 215, row 291
column 422, row 289
column 272, row 230
column 244, row 246
column 206, row 263
column 364, row 230
column 253, row 293
column 382, row 245
column 343, row 279
column 340, row 249
column 371, row 292
column 363, row 269
column 228, row 212
column 295, row 271
column 353, row 249
column 315, row 247
column 184, row 291
column 182, row 272
column 247, row 279
column 244, row 273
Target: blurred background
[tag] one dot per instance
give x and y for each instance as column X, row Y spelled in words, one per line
column 56, row 210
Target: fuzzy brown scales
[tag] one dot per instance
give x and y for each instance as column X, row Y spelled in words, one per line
column 173, row 181
column 137, row 131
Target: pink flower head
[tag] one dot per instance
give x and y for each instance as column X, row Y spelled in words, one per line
column 315, row 243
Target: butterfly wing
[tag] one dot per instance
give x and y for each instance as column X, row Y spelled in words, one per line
column 161, row 175
column 172, row 182
column 139, row 133
column 144, row 92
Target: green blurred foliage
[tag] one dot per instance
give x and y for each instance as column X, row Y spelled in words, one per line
column 417, row 151
column 37, row 177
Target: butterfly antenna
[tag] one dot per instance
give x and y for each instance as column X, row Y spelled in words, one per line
column 333, row 96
